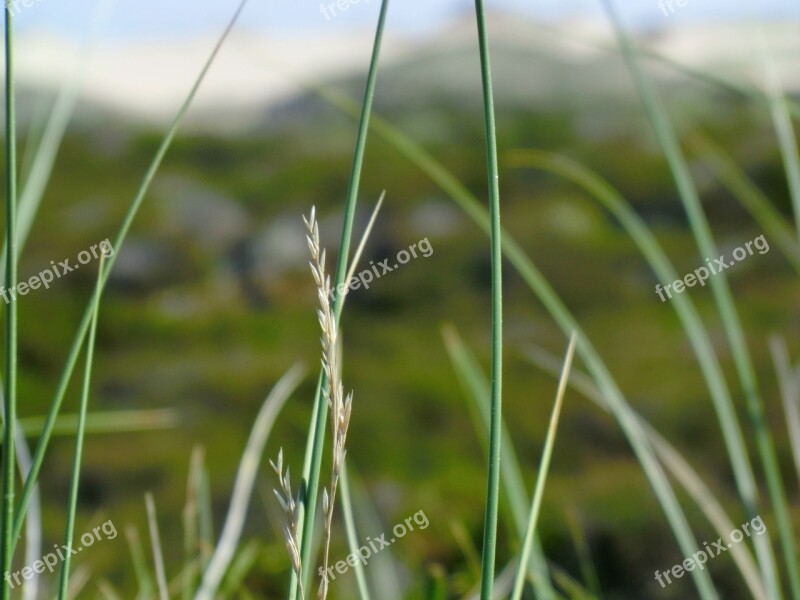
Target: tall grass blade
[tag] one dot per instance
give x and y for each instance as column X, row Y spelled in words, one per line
column 33, row 526
column 495, row 431
column 789, row 385
column 541, row 477
column 191, row 513
column 676, row 464
column 10, row 330
column 83, row 328
column 782, row 121
column 80, row 435
column 566, row 321
column 479, row 392
column 585, row 562
column 749, row 196
column 140, row 570
column 313, row 459
column 691, row 321
column 245, row 479
column 352, row 535
column 155, row 542
column 701, row 230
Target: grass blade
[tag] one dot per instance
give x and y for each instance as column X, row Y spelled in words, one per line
column 105, row 422
column 80, row 436
column 83, row 328
column 10, row 331
column 155, row 541
column 496, row 428
column 143, row 576
column 565, row 320
column 478, row 390
column 245, row 479
column 352, row 535
column 691, row 321
column 784, row 130
column 676, row 464
column 313, row 459
column 749, row 196
column 701, row 230
column 544, row 468
column 790, row 394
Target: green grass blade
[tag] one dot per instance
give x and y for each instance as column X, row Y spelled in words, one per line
column 105, row 422
column 691, row 321
column 565, row 320
column 191, row 512
column 10, row 331
column 33, row 526
column 749, row 196
column 701, row 230
column 789, row 385
column 80, row 435
column 489, row 550
column 245, row 480
column 587, row 566
column 155, row 543
column 787, row 140
column 541, row 477
column 478, row 391
column 677, row 465
column 384, row 575
column 83, row 328
column 143, row 576
column 313, row 459
column 352, row 535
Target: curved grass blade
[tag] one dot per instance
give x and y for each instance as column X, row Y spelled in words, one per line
column 83, row 328
column 787, row 140
column 495, row 430
column 80, row 435
column 566, row 321
column 701, row 230
column 541, row 477
column 749, row 196
column 245, row 479
column 690, row 319
column 478, row 390
column 675, row 463
column 789, row 385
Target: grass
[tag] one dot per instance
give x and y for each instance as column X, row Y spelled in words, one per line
column 495, row 429
column 221, row 567
column 8, row 467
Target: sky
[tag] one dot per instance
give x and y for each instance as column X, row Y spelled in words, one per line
column 161, row 18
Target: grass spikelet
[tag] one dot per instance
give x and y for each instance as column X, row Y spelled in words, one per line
column 340, row 406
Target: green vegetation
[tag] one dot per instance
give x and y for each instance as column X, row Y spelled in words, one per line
column 207, row 302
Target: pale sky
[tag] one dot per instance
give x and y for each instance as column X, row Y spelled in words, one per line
column 157, row 18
